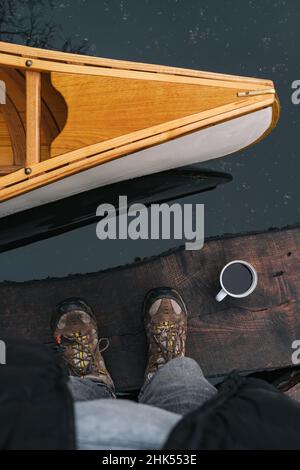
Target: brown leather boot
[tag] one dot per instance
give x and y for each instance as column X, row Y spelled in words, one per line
column 76, row 334
column 165, row 316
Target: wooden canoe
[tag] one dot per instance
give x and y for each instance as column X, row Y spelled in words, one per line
column 70, row 123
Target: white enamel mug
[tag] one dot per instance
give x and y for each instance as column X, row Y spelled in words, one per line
column 224, row 292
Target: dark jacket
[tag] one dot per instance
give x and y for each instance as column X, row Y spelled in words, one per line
column 36, row 407
column 246, row 414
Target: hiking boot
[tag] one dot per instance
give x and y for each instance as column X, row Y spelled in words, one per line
column 165, row 316
column 75, row 332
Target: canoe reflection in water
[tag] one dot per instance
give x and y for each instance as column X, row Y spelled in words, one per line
column 80, row 210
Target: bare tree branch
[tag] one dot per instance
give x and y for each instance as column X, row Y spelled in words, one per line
column 29, row 22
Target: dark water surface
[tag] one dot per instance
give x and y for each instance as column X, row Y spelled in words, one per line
column 252, row 37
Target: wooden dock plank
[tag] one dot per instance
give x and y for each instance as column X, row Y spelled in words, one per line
column 239, row 334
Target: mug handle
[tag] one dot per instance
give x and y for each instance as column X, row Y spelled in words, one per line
column 221, row 295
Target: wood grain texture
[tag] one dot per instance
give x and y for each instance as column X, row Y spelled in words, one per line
column 53, row 106
column 16, row 131
column 101, row 108
column 246, row 335
column 33, row 118
column 13, row 136
column 6, row 170
column 6, row 151
column 13, row 117
column 61, row 166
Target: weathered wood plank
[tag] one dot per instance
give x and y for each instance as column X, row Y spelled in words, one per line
column 247, row 335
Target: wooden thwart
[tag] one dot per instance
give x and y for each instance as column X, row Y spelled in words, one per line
column 33, row 118
column 248, row 335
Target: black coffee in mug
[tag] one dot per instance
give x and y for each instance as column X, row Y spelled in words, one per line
column 237, row 278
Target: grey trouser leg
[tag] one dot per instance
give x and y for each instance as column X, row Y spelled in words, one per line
column 176, row 389
column 179, row 386
column 121, row 425
column 88, row 390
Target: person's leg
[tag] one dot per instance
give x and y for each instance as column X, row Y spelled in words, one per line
column 121, row 425
column 76, row 335
column 88, row 390
column 172, row 382
column 179, row 386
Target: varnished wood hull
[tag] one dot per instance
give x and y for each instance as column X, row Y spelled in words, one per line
column 94, row 122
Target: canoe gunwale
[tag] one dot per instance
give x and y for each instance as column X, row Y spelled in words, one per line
column 28, row 53
column 43, row 65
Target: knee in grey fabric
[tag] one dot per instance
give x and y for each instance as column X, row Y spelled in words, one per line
column 88, row 390
column 179, row 387
column 122, row 425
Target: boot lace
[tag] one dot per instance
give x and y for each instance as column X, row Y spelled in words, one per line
column 83, row 350
column 167, row 336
